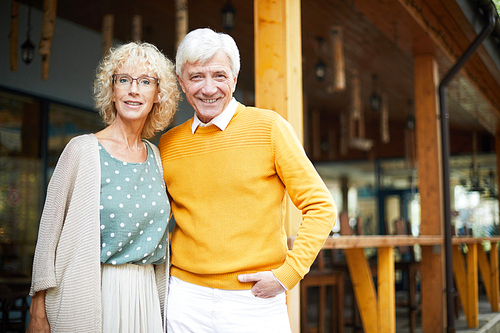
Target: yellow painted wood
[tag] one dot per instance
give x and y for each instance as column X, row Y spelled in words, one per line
column 484, row 270
column 386, row 290
column 472, row 292
column 278, row 85
column 364, row 289
column 460, row 276
column 495, row 297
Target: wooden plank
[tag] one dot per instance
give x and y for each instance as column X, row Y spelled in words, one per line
column 137, row 28
column 278, row 85
column 460, row 276
column 495, row 297
column 386, row 290
column 364, row 288
column 181, row 21
column 107, row 32
column 49, row 20
column 14, row 33
column 484, row 270
column 472, row 291
column 475, row 69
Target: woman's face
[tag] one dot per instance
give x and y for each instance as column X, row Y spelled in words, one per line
column 134, row 101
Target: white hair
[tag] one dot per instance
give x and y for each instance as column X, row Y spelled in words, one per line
column 202, row 44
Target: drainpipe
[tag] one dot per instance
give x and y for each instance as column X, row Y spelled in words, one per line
column 445, row 152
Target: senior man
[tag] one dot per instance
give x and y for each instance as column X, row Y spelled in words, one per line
column 227, row 171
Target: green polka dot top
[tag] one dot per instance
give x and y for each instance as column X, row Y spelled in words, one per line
column 134, row 211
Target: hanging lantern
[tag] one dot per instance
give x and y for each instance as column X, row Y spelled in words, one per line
column 228, row 13
column 28, row 49
column 374, row 97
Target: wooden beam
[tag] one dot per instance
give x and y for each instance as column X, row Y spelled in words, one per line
column 278, row 87
column 484, row 270
column 14, row 33
column 460, row 276
column 364, row 289
column 181, row 21
column 495, row 294
column 472, row 290
column 49, row 20
column 108, row 22
column 337, row 41
column 430, row 188
column 137, row 28
column 386, row 290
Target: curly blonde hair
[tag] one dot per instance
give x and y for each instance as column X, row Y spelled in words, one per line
column 158, row 65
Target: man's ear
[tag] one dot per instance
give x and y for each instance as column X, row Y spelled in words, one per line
column 181, row 83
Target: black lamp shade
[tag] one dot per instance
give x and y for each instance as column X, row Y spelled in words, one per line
column 375, row 102
column 228, row 13
column 27, row 51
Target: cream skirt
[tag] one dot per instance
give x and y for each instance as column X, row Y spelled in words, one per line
column 130, row 301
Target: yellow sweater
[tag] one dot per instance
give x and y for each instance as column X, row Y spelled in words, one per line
column 227, row 192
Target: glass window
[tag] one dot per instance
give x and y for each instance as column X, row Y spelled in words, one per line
column 21, row 188
column 65, row 123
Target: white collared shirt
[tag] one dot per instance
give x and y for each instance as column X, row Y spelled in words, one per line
column 221, row 121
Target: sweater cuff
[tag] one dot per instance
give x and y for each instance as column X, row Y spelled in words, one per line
column 287, row 275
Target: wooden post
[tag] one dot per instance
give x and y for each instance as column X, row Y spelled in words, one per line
column 337, row 40
column 386, row 290
column 355, row 107
column 428, row 138
column 181, row 21
column 137, row 28
column 108, row 22
column 14, row 33
column 49, row 20
column 278, row 87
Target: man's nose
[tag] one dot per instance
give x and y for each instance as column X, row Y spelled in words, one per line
column 209, row 87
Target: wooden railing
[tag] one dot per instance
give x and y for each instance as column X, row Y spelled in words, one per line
column 377, row 307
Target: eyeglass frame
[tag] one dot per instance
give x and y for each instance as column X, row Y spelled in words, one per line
column 134, row 79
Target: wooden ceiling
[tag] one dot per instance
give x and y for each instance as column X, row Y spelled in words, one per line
column 380, row 38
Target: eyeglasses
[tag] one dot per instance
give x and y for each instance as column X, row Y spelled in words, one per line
column 124, row 81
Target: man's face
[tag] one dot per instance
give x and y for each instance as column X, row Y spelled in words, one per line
column 208, row 87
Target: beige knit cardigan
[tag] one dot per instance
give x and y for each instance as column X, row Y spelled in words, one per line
column 67, row 256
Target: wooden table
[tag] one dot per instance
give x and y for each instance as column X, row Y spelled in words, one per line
column 378, row 309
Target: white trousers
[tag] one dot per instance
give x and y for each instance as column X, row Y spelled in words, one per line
column 193, row 308
column 130, row 302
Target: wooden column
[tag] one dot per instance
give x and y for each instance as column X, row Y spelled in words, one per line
column 49, row 20
column 181, row 21
column 430, row 189
column 108, row 22
column 137, row 28
column 278, row 86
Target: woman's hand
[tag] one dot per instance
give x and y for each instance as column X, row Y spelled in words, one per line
column 38, row 316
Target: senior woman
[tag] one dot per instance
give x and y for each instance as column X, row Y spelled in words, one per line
column 101, row 260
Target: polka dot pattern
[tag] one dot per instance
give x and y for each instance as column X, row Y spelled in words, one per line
column 134, row 212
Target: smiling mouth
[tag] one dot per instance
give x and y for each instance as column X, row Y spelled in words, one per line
column 209, row 100
column 133, row 103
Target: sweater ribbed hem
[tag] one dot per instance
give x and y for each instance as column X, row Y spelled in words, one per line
column 227, row 281
column 287, row 275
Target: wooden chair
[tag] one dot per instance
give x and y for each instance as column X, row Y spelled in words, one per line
column 326, row 279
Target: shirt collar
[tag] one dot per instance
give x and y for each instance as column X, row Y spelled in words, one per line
column 221, row 121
